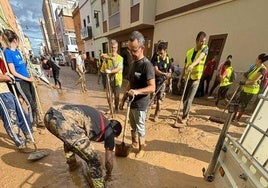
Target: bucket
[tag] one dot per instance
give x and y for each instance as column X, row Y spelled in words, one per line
column 122, row 150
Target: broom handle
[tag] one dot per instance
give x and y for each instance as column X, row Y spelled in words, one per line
column 183, row 93
column 17, row 99
column 127, row 116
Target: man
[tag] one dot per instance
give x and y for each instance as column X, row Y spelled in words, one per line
column 193, row 69
column 207, row 75
column 80, row 69
column 114, row 67
column 49, row 64
column 141, row 82
column 162, row 67
column 77, row 126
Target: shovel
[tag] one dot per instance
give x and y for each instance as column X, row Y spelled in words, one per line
column 220, row 119
column 109, row 95
column 37, row 154
column 122, row 150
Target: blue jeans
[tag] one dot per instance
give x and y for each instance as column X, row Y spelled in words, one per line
column 137, row 121
column 13, row 118
column 188, row 98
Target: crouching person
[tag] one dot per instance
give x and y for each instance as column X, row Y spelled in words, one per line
column 77, row 126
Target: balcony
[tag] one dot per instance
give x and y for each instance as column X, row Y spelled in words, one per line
column 114, row 20
column 86, row 33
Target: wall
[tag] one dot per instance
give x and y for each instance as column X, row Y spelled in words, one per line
column 242, row 20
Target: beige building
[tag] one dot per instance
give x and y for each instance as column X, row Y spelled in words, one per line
column 8, row 19
column 237, row 27
column 77, row 27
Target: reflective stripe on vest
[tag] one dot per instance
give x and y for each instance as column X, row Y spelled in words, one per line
column 253, row 89
column 166, row 63
column 226, row 79
column 197, row 70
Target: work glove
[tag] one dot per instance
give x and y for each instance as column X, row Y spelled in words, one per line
column 242, row 83
column 108, row 71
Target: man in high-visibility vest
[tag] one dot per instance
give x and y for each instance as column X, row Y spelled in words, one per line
column 162, row 67
column 114, row 67
column 193, row 70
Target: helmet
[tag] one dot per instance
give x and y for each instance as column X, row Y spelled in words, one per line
column 116, row 126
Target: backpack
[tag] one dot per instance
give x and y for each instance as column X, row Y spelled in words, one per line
column 233, row 76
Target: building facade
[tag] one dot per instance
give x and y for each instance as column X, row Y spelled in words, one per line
column 237, row 27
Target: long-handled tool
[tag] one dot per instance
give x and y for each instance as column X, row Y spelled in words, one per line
column 37, row 154
column 181, row 101
column 122, row 150
column 39, row 106
column 109, row 95
column 220, row 119
column 153, row 98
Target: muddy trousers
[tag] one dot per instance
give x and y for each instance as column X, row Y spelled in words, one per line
column 116, row 91
column 75, row 140
column 13, row 119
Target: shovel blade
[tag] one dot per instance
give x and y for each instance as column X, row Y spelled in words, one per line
column 37, row 155
column 122, row 150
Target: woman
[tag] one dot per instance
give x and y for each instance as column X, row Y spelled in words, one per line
column 251, row 86
column 225, row 81
column 17, row 67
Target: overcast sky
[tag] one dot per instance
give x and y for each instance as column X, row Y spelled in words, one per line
column 28, row 12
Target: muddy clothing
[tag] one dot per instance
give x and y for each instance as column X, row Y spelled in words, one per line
column 77, row 126
column 140, row 72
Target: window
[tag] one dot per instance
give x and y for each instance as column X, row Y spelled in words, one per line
column 134, row 2
column 73, row 40
column 88, row 19
column 113, row 7
column 84, row 22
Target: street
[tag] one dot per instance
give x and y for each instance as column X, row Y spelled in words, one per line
column 173, row 158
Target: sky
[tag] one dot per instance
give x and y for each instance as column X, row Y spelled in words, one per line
column 28, row 12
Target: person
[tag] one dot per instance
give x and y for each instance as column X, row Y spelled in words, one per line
column 175, row 76
column 251, row 86
column 49, row 64
column 141, row 83
column 99, row 65
column 77, row 126
column 162, row 67
column 225, row 82
column 12, row 115
column 207, row 75
column 80, row 69
column 193, row 69
column 17, row 67
column 114, row 68
column 217, row 80
column 154, row 56
column 10, row 112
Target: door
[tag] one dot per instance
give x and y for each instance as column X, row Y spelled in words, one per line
column 216, row 44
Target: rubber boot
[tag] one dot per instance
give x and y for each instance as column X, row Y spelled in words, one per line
column 71, row 161
column 134, row 144
column 141, row 152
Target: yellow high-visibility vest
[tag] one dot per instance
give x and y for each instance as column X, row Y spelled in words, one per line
column 197, row 70
column 110, row 65
column 255, row 88
column 226, row 79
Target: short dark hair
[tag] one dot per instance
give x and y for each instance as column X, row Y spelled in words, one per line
column 263, row 57
column 161, row 46
column 10, row 35
column 200, row 34
column 229, row 56
column 116, row 126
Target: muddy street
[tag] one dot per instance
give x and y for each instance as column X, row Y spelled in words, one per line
column 173, row 159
